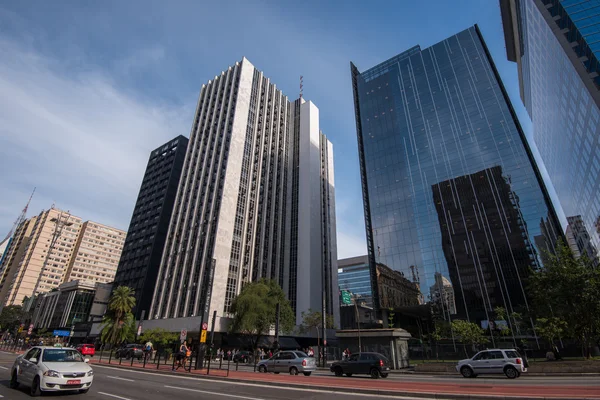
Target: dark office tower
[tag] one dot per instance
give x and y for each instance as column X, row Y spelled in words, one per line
column 449, row 183
column 556, row 45
column 140, row 259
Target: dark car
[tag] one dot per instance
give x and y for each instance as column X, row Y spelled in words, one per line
column 242, row 357
column 129, row 351
column 374, row 364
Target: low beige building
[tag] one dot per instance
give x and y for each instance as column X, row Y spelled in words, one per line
column 56, row 247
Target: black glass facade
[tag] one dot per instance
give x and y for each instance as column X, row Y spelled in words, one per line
column 142, row 252
column 450, row 188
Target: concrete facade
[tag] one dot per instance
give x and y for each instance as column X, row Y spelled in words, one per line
column 255, row 163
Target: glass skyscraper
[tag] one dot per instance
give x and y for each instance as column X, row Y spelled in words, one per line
column 452, row 197
column 556, row 45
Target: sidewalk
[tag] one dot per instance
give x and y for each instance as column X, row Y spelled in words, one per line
column 382, row 386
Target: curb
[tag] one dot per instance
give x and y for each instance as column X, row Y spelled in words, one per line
column 377, row 392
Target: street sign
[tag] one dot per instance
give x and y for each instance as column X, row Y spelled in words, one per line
column 58, row 333
column 30, row 329
column 183, row 335
column 139, row 332
column 203, row 336
column 346, row 297
column 204, row 326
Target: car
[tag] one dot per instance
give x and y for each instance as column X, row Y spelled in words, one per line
column 374, row 364
column 87, row 349
column 293, row 362
column 51, row 369
column 242, row 357
column 493, row 361
column 129, row 351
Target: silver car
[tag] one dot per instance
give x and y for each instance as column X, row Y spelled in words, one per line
column 493, row 361
column 289, row 361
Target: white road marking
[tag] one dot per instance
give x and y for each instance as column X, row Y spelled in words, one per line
column 200, row 379
column 114, row 395
column 121, row 379
column 214, row 393
column 3, row 367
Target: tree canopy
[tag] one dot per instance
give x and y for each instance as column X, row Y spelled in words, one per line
column 159, row 337
column 469, row 333
column 313, row 320
column 10, row 317
column 567, row 288
column 254, row 310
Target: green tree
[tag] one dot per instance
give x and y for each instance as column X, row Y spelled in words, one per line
column 159, row 337
column 312, row 320
column 11, row 316
column 550, row 329
column 567, row 288
column 469, row 333
column 118, row 320
column 254, row 310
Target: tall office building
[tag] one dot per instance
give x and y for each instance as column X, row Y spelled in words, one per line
column 354, row 277
column 56, row 247
column 555, row 45
column 451, row 192
column 255, row 200
column 96, row 255
column 140, row 259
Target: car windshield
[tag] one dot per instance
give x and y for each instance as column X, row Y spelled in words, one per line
column 61, row 355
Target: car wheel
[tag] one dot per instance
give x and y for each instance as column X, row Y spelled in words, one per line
column 293, row 371
column 35, row 387
column 307, row 373
column 374, row 373
column 262, row 369
column 511, row 372
column 348, row 374
column 467, row 372
column 338, row 371
column 14, row 384
column 384, row 375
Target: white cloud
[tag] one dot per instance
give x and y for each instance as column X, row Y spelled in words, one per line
column 78, row 137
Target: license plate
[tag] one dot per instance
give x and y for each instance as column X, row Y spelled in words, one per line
column 74, row 382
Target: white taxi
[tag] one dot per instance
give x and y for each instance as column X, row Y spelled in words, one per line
column 52, row 369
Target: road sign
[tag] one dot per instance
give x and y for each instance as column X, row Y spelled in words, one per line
column 346, row 297
column 183, row 334
column 204, row 326
column 203, row 336
column 30, row 329
column 58, row 333
column 139, row 332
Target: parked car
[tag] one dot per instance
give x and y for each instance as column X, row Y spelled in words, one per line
column 242, row 357
column 51, row 369
column 129, row 351
column 293, row 362
column 87, row 349
column 374, row 364
column 494, row 361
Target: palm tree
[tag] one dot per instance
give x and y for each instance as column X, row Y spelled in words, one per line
column 118, row 318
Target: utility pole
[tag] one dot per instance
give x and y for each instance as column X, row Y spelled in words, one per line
column 357, row 323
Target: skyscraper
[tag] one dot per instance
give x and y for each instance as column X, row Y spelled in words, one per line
column 142, row 252
column 556, row 48
column 451, row 192
column 255, row 200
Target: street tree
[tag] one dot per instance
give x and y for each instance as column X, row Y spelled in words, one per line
column 312, row 320
column 11, row 317
column 567, row 288
column 118, row 324
column 469, row 333
column 254, row 311
column 550, row 329
column 159, row 337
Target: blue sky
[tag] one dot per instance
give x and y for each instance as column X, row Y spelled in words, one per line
column 88, row 89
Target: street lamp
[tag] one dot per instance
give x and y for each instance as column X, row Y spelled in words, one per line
column 59, row 224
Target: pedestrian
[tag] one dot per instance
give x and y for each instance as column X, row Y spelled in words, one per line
column 344, row 355
column 184, row 353
column 148, row 348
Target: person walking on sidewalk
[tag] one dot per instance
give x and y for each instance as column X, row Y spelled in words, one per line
column 148, row 348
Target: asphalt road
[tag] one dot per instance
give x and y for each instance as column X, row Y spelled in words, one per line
column 111, row 383
column 118, row 384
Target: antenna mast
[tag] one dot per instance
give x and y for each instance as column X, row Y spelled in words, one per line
column 21, row 216
column 301, row 85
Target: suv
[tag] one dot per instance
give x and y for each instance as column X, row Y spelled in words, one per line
column 374, row 364
column 493, row 361
column 289, row 361
column 130, row 351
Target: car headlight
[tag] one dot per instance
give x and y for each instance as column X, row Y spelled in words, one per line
column 90, row 373
column 51, row 373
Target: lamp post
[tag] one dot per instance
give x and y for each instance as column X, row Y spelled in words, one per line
column 59, row 224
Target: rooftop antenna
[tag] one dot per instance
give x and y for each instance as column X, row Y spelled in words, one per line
column 21, row 217
column 301, row 85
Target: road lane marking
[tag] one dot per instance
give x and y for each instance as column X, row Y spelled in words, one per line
column 114, row 395
column 215, row 393
column 3, row 367
column 121, row 379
